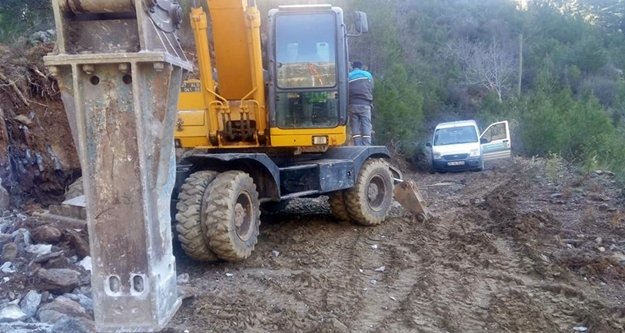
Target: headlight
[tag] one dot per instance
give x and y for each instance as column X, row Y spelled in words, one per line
column 436, row 156
column 474, row 153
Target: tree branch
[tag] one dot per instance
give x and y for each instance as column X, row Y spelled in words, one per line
column 16, row 89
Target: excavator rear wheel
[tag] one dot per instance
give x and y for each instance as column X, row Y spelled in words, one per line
column 369, row 201
column 188, row 217
column 232, row 215
column 338, row 206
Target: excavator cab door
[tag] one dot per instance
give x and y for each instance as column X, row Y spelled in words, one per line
column 308, row 67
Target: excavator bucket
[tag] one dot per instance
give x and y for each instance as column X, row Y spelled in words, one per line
column 119, row 67
column 408, row 195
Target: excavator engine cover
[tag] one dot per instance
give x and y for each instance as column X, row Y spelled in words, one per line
column 119, row 66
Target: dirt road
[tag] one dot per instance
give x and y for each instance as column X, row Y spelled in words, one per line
column 520, row 247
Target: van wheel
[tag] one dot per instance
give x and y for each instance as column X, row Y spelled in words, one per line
column 369, row 201
column 481, row 166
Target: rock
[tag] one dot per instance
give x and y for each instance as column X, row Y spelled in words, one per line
column 86, row 263
column 7, row 268
column 9, row 251
column 275, row 253
column 42, row 259
column 601, row 249
column 67, row 324
column 5, row 199
column 60, row 307
column 11, row 312
column 39, row 249
column 598, row 240
column 23, row 119
column 59, row 279
column 5, row 238
column 21, row 237
column 22, row 327
column 183, row 278
column 44, row 36
column 83, row 300
column 30, row 302
column 46, row 234
column 331, row 325
column 380, row 269
column 80, row 244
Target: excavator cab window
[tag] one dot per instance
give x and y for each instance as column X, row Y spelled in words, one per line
column 306, row 70
column 307, row 109
column 306, row 51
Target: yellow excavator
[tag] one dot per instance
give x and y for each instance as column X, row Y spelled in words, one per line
column 266, row 122
column 261, row 137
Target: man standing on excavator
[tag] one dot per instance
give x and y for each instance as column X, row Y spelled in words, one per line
column 360, row 101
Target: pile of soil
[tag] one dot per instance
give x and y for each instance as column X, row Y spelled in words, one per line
column 37, row 154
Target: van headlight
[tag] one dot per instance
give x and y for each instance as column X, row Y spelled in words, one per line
column 436, row 156
column 474, row 152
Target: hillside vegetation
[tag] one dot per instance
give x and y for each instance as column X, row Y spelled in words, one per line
column 554, row 68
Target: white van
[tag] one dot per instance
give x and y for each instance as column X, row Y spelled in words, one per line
column 459, row 146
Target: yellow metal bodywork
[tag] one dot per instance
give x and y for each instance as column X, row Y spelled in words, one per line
column 239, row 94
column 303, row 137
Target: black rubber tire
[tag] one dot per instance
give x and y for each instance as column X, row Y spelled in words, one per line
column 375, row 179
column 232, row 199
column 481, row 167
column 338, row 206
column 189, row 216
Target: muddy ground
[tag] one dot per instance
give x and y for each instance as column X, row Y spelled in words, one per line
column 525, row 246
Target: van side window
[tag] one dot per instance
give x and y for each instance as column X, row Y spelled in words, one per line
column 496, row 132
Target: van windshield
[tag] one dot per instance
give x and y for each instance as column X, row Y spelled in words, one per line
column 455, row 135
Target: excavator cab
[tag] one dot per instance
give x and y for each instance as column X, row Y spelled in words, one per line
column 308, row 70
column 298, row 102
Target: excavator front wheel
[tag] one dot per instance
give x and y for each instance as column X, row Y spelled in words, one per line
column 189, row 219
column 369, row 201
column 232, row 215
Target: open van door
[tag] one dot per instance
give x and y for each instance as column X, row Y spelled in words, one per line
column 495, row 141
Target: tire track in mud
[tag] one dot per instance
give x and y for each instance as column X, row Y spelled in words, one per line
column 458, row 295
column 489, row 260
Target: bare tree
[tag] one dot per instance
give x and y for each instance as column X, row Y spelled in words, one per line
column 490, row 65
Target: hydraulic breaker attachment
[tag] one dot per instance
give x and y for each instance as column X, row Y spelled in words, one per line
column 119, row 66
column 408, row 195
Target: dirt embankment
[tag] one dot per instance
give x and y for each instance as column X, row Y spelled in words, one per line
column 37, row 155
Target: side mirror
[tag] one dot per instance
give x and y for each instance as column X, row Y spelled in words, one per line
column 428, row 144
column 361, row 23
column 484, row 140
